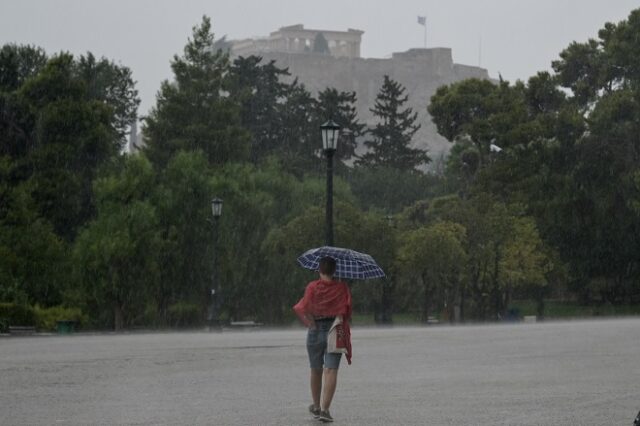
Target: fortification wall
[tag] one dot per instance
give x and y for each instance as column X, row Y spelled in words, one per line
column 421, row 71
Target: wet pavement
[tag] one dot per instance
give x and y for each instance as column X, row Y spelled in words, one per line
column 565, row 373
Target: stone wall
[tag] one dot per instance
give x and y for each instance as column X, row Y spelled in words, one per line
column 421, row 71
column 297, row 39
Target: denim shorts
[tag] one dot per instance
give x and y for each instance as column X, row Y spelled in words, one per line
column 317, row 347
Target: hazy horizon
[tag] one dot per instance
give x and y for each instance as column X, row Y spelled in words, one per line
column 513, row 39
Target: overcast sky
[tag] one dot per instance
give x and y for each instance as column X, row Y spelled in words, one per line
column 516, row 38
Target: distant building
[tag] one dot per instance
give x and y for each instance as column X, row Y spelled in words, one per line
column 420, row 70
column 297, row 39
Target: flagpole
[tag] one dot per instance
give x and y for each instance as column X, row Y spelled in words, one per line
column 422, row 20
column 425, row 31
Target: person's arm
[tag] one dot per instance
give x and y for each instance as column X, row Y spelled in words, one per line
column 311, row 321
column 301, row 309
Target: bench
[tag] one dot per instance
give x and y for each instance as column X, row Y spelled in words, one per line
column 21, row 330
column 65, row 326
column 245, row 324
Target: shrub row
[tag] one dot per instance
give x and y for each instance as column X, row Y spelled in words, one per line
column 44, row 319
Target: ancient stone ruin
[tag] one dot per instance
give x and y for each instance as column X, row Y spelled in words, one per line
column 421, row 71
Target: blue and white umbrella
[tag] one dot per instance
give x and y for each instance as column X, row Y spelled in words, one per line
column 350, row 264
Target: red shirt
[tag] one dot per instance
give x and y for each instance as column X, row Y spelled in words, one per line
column 326, row 299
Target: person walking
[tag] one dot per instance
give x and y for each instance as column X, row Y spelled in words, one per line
column 324, row 299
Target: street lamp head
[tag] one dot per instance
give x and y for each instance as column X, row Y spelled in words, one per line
column 330, row 134
column 216, row 207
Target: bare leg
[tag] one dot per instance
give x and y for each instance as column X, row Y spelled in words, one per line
column 330, row 381
column 316, row 385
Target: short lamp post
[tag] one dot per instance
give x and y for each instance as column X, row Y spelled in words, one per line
column 216, row 210
column 330, row 134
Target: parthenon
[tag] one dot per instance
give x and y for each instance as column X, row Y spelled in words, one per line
column 297, row 39
column 420, row 70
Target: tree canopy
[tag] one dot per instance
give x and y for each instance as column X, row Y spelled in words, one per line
column 539, row 196
column 391, row 138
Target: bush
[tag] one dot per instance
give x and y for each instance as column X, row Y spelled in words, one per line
column 47, row 318
column 151, row 316
column 184, row 314
column 13, row 314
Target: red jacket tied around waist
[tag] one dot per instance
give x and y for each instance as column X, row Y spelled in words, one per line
column 326, row 299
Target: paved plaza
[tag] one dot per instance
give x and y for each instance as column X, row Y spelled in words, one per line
column 566, row 373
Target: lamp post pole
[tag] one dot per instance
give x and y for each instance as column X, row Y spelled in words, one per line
column 216, row 209
column 330, row 132
column 329, row 210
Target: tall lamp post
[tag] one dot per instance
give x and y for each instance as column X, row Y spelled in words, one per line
column 216, row 210
column 330, row 134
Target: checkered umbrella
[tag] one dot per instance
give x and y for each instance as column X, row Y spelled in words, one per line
column 350, row 264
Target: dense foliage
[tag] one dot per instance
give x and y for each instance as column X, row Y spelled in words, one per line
column 539, row 199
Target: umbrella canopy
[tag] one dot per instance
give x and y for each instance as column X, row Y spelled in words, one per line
column 350, row 264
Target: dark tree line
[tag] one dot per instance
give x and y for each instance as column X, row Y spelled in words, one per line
column 539, row 197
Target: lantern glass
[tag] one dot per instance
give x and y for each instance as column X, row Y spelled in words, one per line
column 216, row 207
column 330, row 134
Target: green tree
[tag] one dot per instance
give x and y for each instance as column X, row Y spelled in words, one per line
column 340, row 107
column 484, row 112
column 103, row 81
column 116, row 253
column 300, row 144
column 258, row 202
column 259, row 89
column 390, row 143
column 505, row 254
column 70, row 135
column 435, row 256
column 18, row 63
column 526, row 265
column 113, row 85
column 182, row 198
column 389, row 189
column 34, row 264
column 581, row 69
column 59, row 120
column 592, row 218
column 192, row 112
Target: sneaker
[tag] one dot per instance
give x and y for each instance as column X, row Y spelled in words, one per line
column 315, row 412
column 325, row 416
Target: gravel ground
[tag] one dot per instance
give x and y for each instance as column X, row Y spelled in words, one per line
column 565, row 373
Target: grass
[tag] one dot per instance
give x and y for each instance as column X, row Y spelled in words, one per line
column 564, row 309
column 398, row 319
column 554, row 309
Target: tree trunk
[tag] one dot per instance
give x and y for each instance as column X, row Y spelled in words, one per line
column 386, row 303
column 497, row 294
column 463, row 295
column 540, row 303
column 118, row 317
column 425, row 302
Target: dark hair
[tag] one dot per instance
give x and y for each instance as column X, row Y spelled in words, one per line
column 327, row 266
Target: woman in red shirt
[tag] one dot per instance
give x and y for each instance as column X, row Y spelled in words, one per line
column 323, row 301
